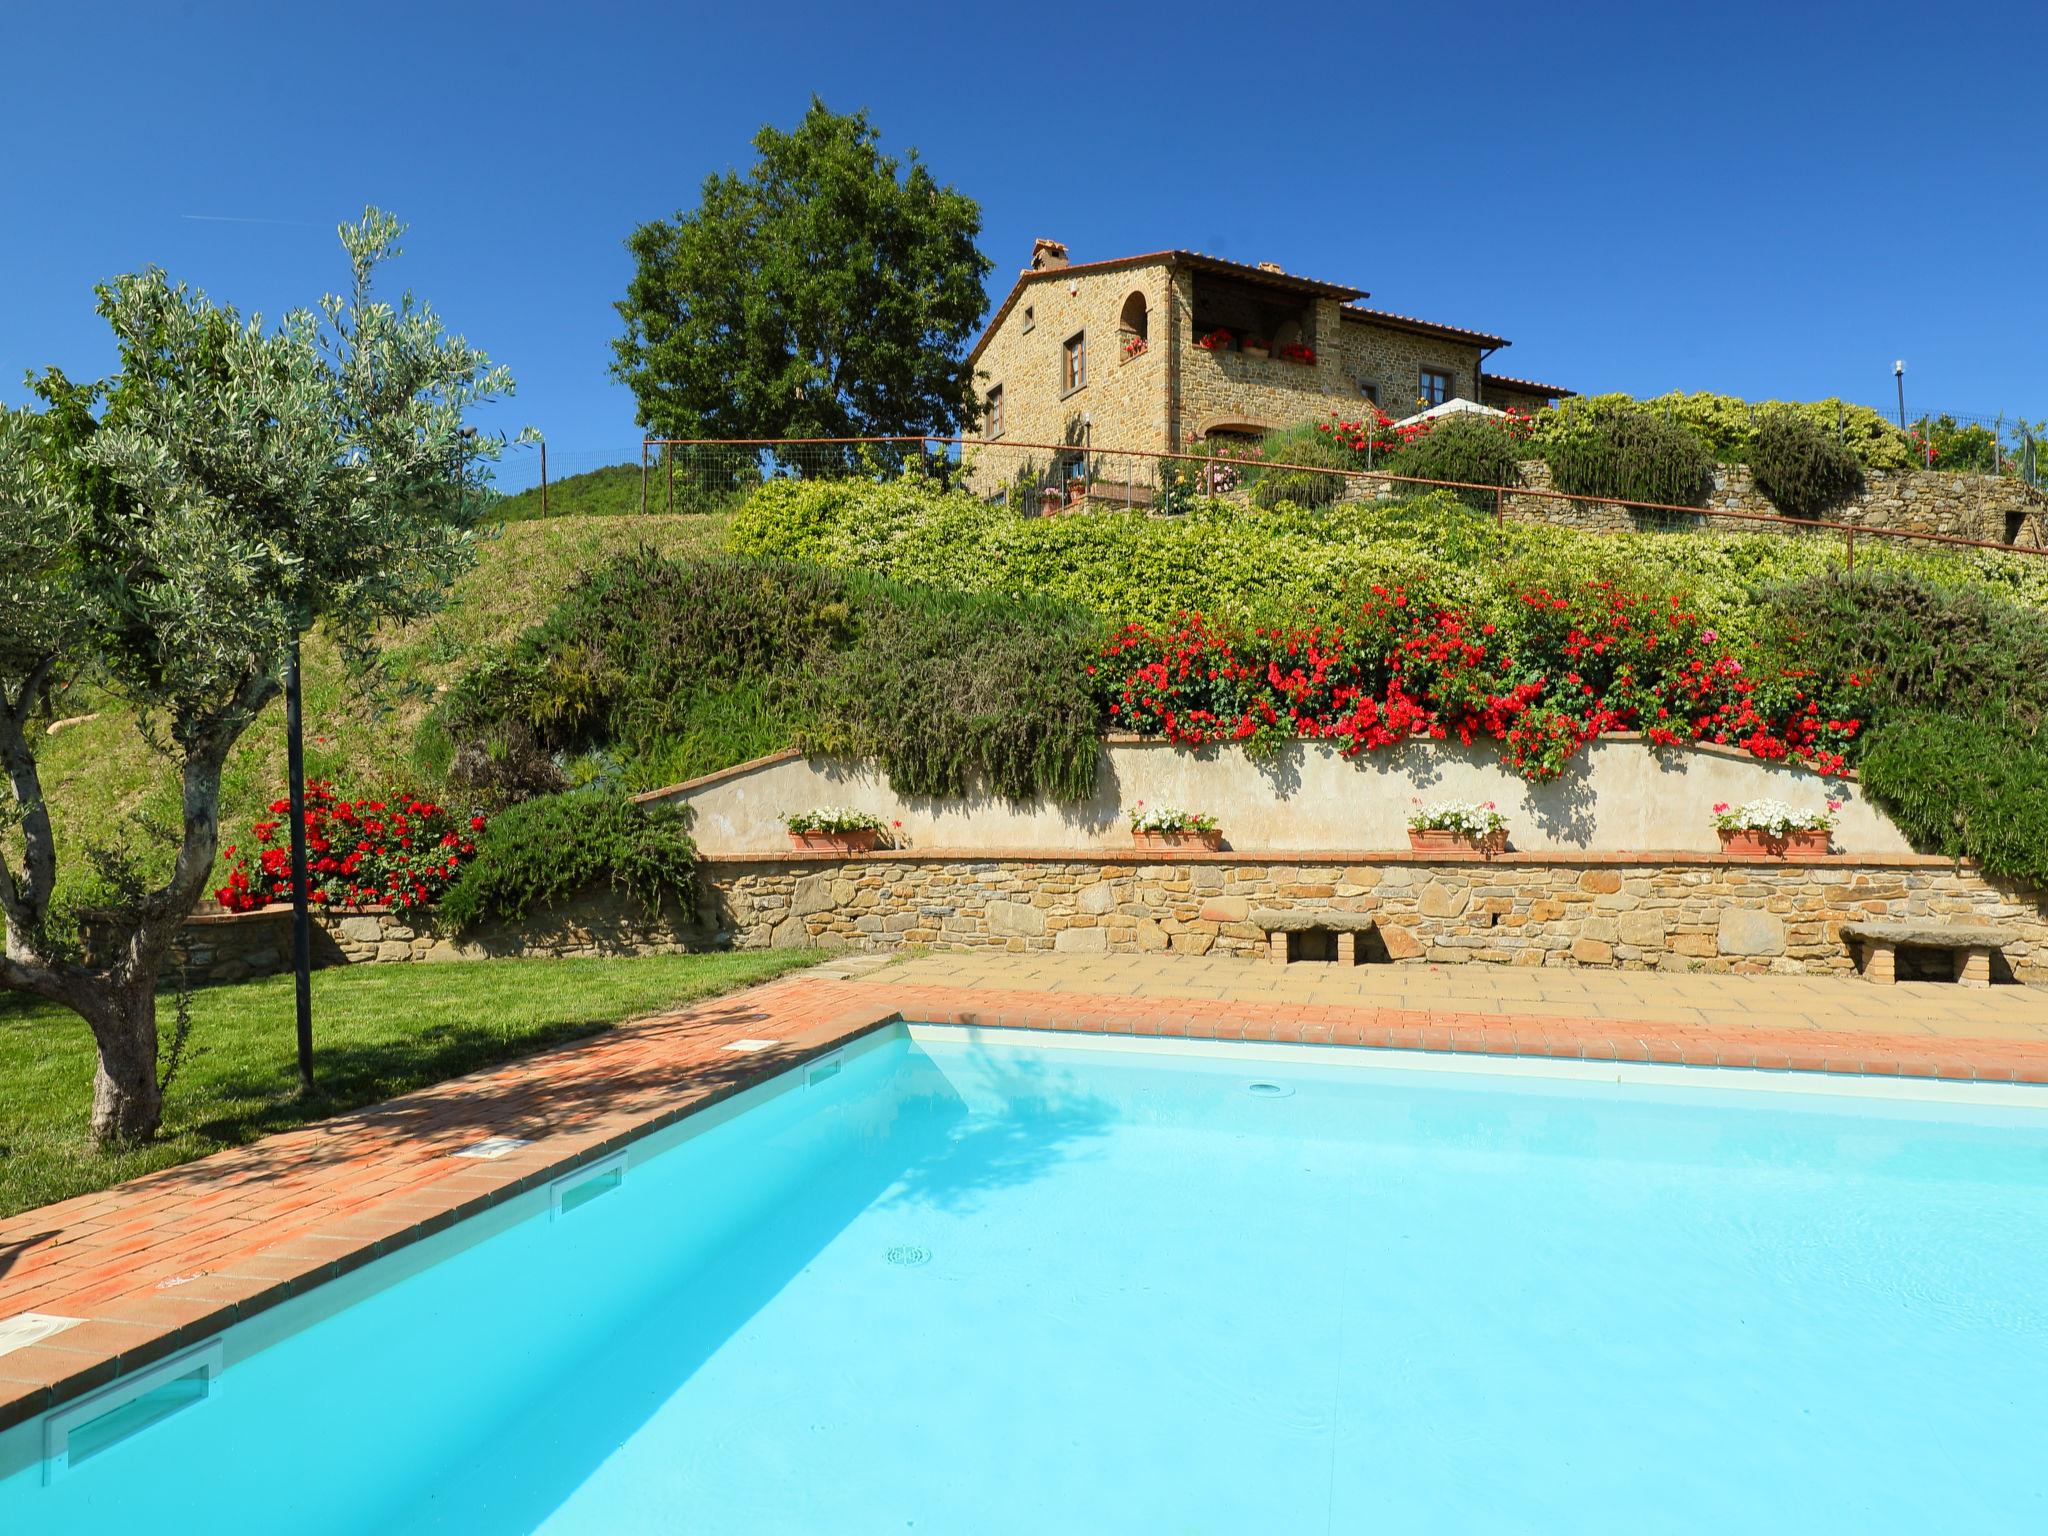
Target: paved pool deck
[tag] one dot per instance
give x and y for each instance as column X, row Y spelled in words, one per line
column 173, row 1257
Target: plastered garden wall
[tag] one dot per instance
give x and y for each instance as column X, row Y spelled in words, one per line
column 1618, row 796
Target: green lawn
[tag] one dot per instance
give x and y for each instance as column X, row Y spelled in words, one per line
column 378, row 1031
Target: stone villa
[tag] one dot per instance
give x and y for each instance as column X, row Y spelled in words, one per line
column 1161, row 351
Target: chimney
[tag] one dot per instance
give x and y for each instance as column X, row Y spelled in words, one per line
column 1272, row 266
column 1047, row 255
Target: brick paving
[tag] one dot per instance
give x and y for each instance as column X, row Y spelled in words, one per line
column 173, row 1257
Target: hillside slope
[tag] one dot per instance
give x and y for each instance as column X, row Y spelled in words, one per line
column 106, row 785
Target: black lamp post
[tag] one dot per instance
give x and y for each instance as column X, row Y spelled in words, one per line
column 295, row 775
column 302, row 919
column 1899, row 375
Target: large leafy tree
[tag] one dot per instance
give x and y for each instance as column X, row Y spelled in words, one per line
column 829, row 292
column 169, row 534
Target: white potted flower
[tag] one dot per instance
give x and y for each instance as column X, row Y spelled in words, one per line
column 1168, row 826
column 1773, row 827
column 1457, row 826
column 833, row 829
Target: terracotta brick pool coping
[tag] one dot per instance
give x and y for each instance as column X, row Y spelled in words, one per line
column 174, row 1257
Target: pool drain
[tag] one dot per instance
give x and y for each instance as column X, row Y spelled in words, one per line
column 1268, row 1090
column 909, row 1255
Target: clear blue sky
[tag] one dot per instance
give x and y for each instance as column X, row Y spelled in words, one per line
column 1764, row 199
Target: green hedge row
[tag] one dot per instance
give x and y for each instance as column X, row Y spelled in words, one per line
column 1729, row 426
column 1286, row 564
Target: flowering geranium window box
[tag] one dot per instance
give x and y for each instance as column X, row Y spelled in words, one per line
column 1457, row 826
column 834, row 829
column 1167, row 827
column 1774, row 828
column 1215, row 341
column 1296, row 352
column 1134, row 346
column 1255, row 346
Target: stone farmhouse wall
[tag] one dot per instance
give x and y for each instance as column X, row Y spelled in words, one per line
column 1709, row 912
column 1122, row 405
column 1994, row 508
column 1175, row 392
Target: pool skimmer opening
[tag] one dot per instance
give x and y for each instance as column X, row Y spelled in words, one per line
column 1266, row 1090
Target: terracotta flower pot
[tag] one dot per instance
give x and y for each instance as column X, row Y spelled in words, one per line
column 861, row 841
column 1211, row 840
column 1450, row 840
column 1798, row 844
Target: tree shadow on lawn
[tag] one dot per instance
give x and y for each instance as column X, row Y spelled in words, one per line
column 293, row 1141
column 349, row 1075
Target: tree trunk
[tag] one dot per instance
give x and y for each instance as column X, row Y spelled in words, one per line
column 127, row 1105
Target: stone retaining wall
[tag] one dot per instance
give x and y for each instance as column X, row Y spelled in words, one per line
column 1671, row 912
column 230, row 946
column 1998, row 509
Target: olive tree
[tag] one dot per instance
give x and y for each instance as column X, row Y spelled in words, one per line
column 169, row 534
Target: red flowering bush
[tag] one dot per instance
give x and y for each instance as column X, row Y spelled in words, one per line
column 1578, row 666
column 1298, row 352
column 400, row 853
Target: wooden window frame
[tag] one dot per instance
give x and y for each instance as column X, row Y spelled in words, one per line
column 1422, row 377
column 1073, row 352
column 994, row 428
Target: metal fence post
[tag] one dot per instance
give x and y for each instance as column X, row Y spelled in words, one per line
column 543, row 477
column 643, row 477
column 668, row 454
column 1850, row 539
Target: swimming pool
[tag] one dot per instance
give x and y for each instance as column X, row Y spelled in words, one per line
column 960, row 1281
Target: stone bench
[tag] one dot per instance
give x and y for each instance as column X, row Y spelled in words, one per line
column 1346, row 926
column 1970, row 946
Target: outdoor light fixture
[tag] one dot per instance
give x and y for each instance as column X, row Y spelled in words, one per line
column 1899, row 374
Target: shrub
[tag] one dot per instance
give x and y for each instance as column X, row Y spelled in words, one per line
column 541, row 851
column 1629, row 454
column 1802, row 469
column 1728, row 426
column 1957, row 786
column 1289, row 565
column 1296, row 487
column 1468, row 448
column 958, row 693
column 665, row 669
column 1944, row 443
column 1900, row 644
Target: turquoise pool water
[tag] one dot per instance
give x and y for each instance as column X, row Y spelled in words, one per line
column 977, row 1286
